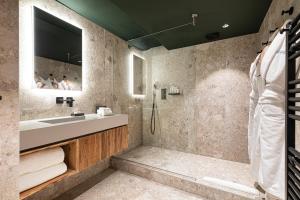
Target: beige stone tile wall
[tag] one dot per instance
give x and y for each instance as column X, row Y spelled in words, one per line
column 211, row 116
column 9, row 105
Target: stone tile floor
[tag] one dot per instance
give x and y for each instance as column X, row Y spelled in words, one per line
column 117, row 185
column 124, row 186
column 216, row 171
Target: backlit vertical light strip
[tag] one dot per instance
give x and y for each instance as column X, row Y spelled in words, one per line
column 131, row 75
column 27, row 48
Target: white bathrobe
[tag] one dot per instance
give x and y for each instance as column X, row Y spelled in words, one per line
column 253, row 138
column 271, row 128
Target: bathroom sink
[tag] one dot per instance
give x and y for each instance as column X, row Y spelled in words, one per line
column 62, row 120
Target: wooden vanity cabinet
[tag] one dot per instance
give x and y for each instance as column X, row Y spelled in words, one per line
column 83, row 153
column 102, row 145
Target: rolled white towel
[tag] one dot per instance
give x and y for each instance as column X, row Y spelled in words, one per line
column 30, row 180
column 39, row 160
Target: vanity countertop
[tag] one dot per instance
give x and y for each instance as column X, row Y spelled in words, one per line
column 34, row 133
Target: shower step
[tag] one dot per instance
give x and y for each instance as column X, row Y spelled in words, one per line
column 204, row 188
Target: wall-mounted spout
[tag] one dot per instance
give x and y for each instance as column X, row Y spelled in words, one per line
column 68, row 100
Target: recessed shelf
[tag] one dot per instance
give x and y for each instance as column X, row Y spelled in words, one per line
column 40, row 187
column 71, row 159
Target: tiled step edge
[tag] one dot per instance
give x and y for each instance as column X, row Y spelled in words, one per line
column 185, row 183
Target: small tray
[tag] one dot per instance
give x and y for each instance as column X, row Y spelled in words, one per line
column 174, row 93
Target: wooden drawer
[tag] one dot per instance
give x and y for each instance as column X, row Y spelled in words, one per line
column 89, row 150
column 102, row 145
column 114, row 141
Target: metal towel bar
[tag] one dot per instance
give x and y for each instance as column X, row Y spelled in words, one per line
column 292, row 155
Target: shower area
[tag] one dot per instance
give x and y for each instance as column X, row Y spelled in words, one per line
column 195, row 119
column 195, row 115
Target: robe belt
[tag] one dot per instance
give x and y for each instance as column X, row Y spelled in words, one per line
column 278, row 103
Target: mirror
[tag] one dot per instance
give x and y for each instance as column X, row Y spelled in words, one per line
column 57, row 53
column 139, row 75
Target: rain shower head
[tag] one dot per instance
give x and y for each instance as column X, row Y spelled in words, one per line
column 194, row 17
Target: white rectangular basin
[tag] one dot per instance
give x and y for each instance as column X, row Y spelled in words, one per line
column 62, row 120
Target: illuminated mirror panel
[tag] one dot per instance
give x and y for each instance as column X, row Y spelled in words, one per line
column 138, row 76
column 57, row 53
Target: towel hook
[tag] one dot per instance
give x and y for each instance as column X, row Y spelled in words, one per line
column 265, row 43
column 288, row 28
column 284, row 30
column 259, row 52
column 273, row 31
column 289, row 11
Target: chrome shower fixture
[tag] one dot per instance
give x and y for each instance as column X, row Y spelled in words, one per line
column 154, row 112
column 194, row 17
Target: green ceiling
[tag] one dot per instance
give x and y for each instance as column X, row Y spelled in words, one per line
column 129, row 19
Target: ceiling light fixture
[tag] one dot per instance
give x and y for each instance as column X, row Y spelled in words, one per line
column 225, row 26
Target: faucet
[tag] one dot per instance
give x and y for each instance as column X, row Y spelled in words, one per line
column 69, row 101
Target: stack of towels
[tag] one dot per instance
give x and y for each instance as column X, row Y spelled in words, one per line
column 41, row 166
column 104, row 111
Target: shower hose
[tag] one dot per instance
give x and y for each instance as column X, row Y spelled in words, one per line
column 152, row 124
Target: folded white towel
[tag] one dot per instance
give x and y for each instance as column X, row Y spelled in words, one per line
column 103, row 111
column 39, row 160
column 30, row 180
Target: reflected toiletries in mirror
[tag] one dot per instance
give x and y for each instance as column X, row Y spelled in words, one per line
column 57, row 53
column 139, row 76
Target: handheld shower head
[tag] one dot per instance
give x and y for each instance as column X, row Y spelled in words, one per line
column 154, row 108
column 156, row 85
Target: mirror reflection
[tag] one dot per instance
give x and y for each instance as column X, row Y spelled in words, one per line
column 58, row 53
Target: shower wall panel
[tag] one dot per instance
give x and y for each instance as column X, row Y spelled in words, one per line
column 210, row 117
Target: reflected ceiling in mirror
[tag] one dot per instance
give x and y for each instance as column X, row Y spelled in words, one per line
column 57, row 53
